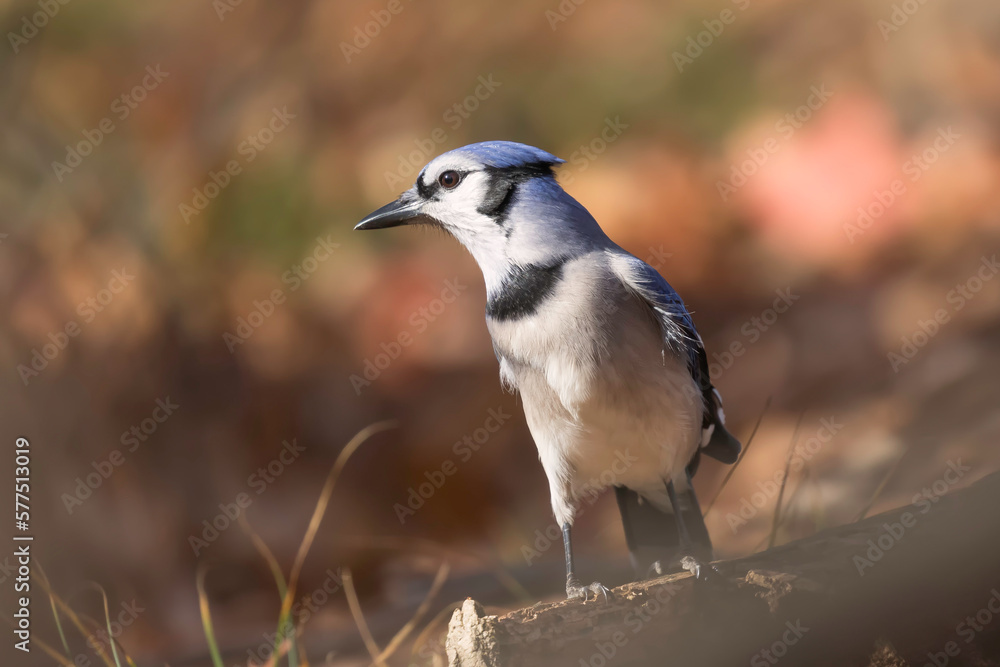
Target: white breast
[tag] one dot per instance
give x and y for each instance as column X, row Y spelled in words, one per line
column 566, row 337
column 604, row 405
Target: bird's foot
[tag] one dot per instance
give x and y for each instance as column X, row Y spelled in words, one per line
column 657, row 569
column 574, row 591
column 701, row 571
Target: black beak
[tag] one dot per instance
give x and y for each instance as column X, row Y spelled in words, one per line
column 403, row 211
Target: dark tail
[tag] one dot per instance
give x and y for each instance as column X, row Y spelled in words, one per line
column 653, row 535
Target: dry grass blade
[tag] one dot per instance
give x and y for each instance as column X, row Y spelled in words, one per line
column 410, row 545
column 786, row 516
column 421, row 639
column 107, row 621
column 51, row 652
column 206, row 617
column 320, row 510
column 743, row 455
column 784, row 482
column 881, row 487
column 97, row 626
column 359, row 618
column 77, row 621
column 58, row 620
column 439, row 579
column 265, row 553
column 283, row 631
column 282, row 649
column 44, row 579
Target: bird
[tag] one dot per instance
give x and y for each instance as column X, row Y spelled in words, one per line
column 613, row 376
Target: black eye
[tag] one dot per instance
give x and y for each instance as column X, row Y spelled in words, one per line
column 449, row 179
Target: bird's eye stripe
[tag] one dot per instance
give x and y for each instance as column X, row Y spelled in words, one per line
column 426, row 191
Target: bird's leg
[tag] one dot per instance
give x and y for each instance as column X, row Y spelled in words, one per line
column 573, row 588
column 689, row 560
column 572, row 583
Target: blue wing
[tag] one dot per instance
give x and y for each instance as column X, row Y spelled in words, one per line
column 681, row 337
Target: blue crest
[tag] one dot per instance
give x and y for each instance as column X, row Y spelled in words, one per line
column 507, row 154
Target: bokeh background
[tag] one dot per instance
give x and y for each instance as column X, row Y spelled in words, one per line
column 845, row 155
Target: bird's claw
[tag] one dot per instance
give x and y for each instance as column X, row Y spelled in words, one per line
column 701, row 571
column 574, row 591
column 655, row 570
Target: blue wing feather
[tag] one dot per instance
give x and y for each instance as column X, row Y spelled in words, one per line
column 681, row 337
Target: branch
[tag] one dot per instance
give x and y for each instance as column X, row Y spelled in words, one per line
column 888, row 589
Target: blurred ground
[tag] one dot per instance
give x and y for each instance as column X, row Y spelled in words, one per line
column 178, row 183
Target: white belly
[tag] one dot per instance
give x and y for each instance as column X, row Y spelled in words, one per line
column 604, row 405
column 639, row 435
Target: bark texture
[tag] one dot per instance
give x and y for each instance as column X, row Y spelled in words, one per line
column 910, row 586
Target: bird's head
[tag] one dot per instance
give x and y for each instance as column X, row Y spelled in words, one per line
column 500, row 199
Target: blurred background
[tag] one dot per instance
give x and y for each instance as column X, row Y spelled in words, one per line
column 190, row 325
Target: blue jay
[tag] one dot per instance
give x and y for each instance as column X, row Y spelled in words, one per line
column 613, row 376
